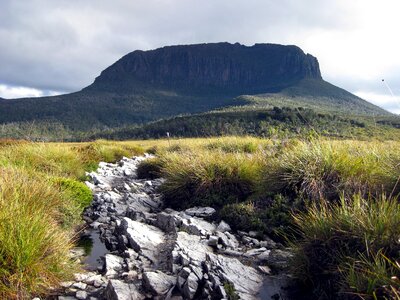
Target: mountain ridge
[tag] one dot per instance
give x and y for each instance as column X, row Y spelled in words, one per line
column 145, row 86
column 232, row 69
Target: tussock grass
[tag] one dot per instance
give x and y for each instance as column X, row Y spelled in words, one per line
column 343, row 247
column 328, row 169
column 208, row 178
column 33, row 247
column 254, row 183
column 150, row 168
column 41, row 201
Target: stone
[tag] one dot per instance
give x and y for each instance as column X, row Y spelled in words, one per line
column 118, row 290
column 166, row 222
column 278, row 259
column 190, row 286
column 67, row 284
column 246, row 280
column 202, row 212
column 79, row 285
column 66, row 298
column 227, row 240
column 112, row 264
column 197, row 226
column 158, row 283
column 264, row 269
column 91, row 279
column 192, row 248
column 142, row 237
column 82, row 295
column 80, row 277
column 255, row 252
column 223, row 227
column 213, row 241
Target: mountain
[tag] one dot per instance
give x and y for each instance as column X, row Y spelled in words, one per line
column 222, row 69
column 145, row 86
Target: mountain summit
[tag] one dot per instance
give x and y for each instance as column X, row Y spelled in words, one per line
column 220, row 68
column 149, row 85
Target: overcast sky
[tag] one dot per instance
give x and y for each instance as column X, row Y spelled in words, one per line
column 50, row 47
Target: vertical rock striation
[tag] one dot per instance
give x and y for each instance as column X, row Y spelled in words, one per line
column 212, row 68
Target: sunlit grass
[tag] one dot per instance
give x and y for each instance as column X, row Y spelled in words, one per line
column 41, row 201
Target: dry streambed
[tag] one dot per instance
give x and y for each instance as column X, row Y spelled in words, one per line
column 152, row 252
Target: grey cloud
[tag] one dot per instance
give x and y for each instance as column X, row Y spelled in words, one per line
column 63, row 45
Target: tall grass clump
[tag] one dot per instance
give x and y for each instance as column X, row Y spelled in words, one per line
column 328, row 169
column 34, row 249
column 150, row 168
column 208, row 178
column 235, row 145
column 345, row 248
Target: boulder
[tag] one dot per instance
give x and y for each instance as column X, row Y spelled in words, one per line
column 143, row 238
column 202, row 212
column 223, row 227
column 278, row 259
column 190, row 286
column 158, row 283
column 119, row 290
column 112, row 264
column 191, row 248
column 246, row 280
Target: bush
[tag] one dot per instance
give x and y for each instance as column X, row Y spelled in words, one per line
column 74, row 190
column 242, row 216
column 335, row 239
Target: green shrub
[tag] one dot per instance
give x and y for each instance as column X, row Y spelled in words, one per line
column 74, row 190
column 336, row 238
column 230, row 291
column 242, row 216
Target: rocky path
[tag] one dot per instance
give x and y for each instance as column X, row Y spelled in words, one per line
column 157, row 253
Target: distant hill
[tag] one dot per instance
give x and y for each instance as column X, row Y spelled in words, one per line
column 145, row 86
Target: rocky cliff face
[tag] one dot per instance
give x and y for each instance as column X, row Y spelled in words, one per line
column 211, row 68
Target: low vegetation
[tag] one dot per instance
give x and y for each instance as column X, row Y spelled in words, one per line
column 334, row 201
column 41, row 201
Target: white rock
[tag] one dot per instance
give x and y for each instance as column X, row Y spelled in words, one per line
column 200, row 211
column 143, row 238
column 118, row 290
column 82, row 295
column 192, row 247
column 246, row 280
column 79, row 285
column 223, row 227
column 190, row 287
column 158, row 283
column 112, row 264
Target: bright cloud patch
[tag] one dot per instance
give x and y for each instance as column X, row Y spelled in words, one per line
column 387, row 102
column 12, row 92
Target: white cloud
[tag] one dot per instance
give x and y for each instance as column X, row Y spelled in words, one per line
column 12, row 92
column 65, row 44
column 388, row 102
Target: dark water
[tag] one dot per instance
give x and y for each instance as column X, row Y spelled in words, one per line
column 271, row 289
column 281, row 287
column 94, row 249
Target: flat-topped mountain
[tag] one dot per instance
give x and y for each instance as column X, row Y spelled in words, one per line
column 149, row 85
column 220, row 68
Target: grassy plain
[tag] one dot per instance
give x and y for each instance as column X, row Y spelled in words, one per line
column 331, row 199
